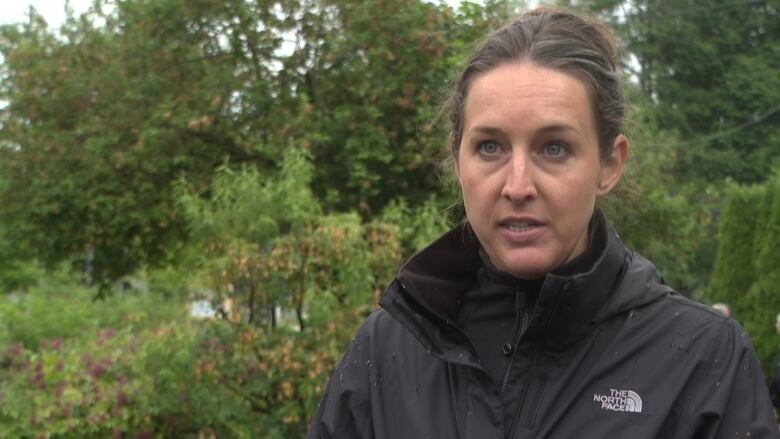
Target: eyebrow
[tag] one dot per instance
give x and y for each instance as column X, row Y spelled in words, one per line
column 558, row 127
column 554, row 128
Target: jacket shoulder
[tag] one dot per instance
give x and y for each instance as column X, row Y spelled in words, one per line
column 345, row 409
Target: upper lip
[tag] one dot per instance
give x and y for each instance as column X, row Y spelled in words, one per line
column 520, row 219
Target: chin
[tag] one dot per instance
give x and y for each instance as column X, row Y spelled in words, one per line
column 525, row 274
column 524, row 263
column 526, row 270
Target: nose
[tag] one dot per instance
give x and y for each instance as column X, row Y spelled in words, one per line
column 519, row 184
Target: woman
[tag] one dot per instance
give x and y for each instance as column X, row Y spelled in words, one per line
column 532, row 320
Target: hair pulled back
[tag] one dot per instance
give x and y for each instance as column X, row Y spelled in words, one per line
column 559, row 40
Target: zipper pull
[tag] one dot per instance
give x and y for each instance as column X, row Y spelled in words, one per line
column 507, row 349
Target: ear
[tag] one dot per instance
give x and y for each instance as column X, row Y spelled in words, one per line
column 612, row 168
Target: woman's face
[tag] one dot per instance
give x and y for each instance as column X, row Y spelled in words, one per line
column 529, row 166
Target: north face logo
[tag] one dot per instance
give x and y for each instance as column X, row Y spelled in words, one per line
column 620, row 401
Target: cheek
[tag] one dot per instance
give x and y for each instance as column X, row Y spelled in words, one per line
column 475, row 196
column 474, row 187
column 465, row 177
column 582, row 185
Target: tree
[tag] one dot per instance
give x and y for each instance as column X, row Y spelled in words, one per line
column 104, row 116
column 711, row 68
column 708, row 72
column 298, row 280
column 369, row 76
column 670, row 223
column 746, row 274
column 740, row 238
column 102, row 120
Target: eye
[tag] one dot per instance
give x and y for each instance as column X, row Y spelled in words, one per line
column 555, row 149
column 489, row 147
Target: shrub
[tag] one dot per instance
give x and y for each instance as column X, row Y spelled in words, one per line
column 746, row 274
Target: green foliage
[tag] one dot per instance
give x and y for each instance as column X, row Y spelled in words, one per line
column 740, row 239
column 762, row 299
column 102, row 119
column 134, row 365
column 279, row 159
column 34, row 317
column 369, row 86
column 16, row 273
column 105, row 115
column 250, row 205
column 671, row 224
column 134, row 381
column 18, row 269
column 417, row 227
column 711, row 69
column 746, row 274
column 292, row 282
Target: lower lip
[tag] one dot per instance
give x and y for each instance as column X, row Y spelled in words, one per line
column 521, row 236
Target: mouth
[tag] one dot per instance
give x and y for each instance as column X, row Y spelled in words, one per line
column 519, row 225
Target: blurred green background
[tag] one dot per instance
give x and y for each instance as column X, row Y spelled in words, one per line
column 200, row 200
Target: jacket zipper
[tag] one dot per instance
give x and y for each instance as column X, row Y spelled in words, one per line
column 532, row 390
column 521, row 325
column 531, row 384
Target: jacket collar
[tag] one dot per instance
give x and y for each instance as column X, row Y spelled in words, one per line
column 434, row 280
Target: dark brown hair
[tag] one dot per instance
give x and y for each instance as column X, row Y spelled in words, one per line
column 556, row 39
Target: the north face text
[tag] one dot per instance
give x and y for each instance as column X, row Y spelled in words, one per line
column 620, row 401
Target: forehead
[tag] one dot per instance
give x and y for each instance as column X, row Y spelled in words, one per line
column 529, row 93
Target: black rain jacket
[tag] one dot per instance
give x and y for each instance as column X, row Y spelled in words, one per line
column 610, row 353
column 774, row 385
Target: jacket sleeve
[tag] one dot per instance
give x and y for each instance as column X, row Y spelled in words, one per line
column 774, row 386
column 733, row 399
column 344, row 411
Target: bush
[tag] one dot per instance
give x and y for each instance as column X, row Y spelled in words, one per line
column 60, row 306
column 746, row 270
column 180, row 379
column 739, row 238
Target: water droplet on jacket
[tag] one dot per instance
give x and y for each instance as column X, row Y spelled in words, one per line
column 677, row 314
column 717, row 384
